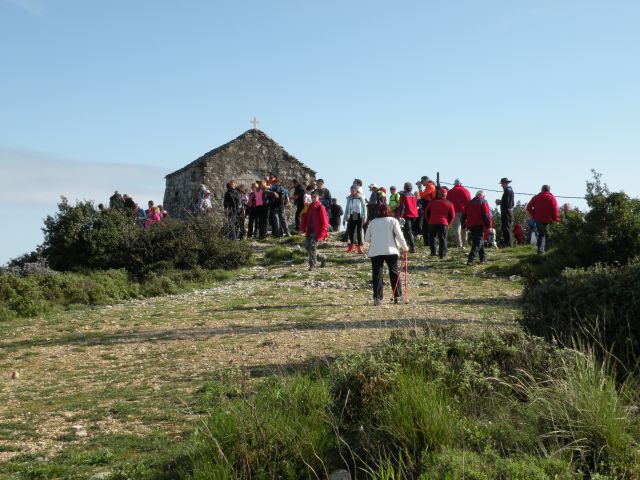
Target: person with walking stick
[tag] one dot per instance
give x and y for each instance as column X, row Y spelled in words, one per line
column 385, row 239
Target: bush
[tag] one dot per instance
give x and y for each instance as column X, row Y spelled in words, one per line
column 279, row 431
column 35, row 294
column 79, row 237
column 601, row 303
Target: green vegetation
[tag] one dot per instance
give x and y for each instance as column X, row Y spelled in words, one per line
column 38, row 293
column 587, row 286
column 441, row 405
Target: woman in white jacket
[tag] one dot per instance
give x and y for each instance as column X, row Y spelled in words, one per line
column 385, row 236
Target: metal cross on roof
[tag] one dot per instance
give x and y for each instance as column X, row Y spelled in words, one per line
column 255, row 123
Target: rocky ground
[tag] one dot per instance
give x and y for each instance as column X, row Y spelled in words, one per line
column 94, row 376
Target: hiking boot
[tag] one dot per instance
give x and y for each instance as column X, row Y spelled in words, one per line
column 323, row 262
column 376, row 302
column 351, row 248
column 412, row 250
column 470, row 263
column 360, row 249
column 396, row 300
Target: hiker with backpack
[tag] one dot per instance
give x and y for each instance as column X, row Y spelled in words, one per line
column 459, row 196
column 355, row 215
column 315, row 226
column 544, row 209
column 408, row 211
column 280, row 199
column 477, row 219
column 439, row 214
column 385, row 242
column 394, row 200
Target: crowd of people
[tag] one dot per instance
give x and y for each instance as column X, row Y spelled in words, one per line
column 390, row 221
column 145, row 217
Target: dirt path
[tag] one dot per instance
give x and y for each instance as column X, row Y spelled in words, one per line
column 133, row 368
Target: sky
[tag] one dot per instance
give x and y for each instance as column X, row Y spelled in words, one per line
column 105, row 95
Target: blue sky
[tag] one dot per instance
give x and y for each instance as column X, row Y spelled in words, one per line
column 97, row 96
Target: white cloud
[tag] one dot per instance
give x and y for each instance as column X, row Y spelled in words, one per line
column 32, row 7
column 29, row 178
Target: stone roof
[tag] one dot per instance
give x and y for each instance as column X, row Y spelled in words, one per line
column 261, row 137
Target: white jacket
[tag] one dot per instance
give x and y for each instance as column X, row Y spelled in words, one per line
column 385, row 236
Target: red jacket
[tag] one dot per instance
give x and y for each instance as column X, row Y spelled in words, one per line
column 440, row 212
column 459, row 196
column 477, row 214
column 544, row 208
column 408, row 206
column 318, row 214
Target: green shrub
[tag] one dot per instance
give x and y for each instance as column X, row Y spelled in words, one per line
column 416, row 415
column 280, row 431
column 600, row 303
column 582, row 409
column 454, row 464
column 79, row 237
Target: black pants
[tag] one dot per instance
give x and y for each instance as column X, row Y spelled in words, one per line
column 542, row 236
column 261, row 214
column 233, row 225
column 354, row 229
column 506, row 217
column 377, row 269
column 426, row 235
column 477, row 244
column 439, row 233
column 278, row 221
column 299, row 209
column 253, row 222
column 408, row 233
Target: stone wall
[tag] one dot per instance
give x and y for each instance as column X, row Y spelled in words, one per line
column 251, row 156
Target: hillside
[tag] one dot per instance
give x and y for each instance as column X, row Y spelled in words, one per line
column 100, row 388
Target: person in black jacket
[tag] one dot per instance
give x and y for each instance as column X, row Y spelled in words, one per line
column 506, row 203
column 298, row 200
column 336, row 214
column 232, row 207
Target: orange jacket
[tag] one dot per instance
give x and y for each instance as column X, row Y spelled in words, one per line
column 429, row 192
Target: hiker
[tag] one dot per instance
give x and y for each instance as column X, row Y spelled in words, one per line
column 232, row 204
column 151, row 204
column 459, row 196
column 394, row 200
column 544, row 210
column 261, row 208
column 163, row 213
column 315, row 226
column 127, row 202
column 506, row 203
column 354, row 217
column 153, row 217
column 408, row 211
column 385, row 236
column 426, row 195
column 325, row 196
column 242, row 211
column 298, row 200
column 116, row 201
column 251, row 212
column 358, row 183
column 278, row 205
column 518, row 234
column 477, row 219
column 372, row 203
column 205, row 204
column 336, row 214
column 439, row 214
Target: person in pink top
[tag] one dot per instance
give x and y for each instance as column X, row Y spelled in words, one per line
column 152, row 218
column 262, row 210
column 459, row 196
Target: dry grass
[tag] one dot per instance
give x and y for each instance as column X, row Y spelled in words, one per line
column 133, row 368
